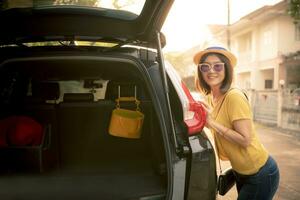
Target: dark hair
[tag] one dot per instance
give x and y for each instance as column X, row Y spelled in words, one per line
column 202, row 86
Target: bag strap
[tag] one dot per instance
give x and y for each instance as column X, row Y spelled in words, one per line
column 119, row 99
column 216, row 117
column 219, row 111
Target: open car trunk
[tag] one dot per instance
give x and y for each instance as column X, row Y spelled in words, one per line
column 72, row 97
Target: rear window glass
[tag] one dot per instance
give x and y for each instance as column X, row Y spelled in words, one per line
column 96, row 87
column 70, row 43
column 133, row 6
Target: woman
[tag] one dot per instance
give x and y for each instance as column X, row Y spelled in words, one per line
column 256, row 172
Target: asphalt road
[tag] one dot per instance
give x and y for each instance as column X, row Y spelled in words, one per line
column 285, row 149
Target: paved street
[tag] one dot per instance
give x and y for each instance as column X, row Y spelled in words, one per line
column 285, row 148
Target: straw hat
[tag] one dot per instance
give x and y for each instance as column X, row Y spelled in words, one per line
column 220, row 50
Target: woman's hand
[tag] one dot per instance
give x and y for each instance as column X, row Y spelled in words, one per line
column 208, row 111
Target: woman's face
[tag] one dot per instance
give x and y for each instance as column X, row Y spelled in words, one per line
column 213, row 73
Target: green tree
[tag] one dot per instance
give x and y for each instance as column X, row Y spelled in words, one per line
column 77, row 2
column 294, row 10
column 117, row 4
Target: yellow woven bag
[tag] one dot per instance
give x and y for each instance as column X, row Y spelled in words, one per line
column 126, row 123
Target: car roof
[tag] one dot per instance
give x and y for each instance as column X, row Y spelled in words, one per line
column 71, row 22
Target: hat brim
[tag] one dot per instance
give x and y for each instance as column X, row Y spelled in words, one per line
column 232, row 59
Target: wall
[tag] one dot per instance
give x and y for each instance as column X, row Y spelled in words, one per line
column 243, row 80
column 267, row 40
column 287, row 28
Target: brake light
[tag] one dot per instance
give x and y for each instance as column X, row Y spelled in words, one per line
column 195, row 116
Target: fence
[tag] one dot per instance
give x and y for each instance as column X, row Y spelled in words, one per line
column 290, row 111
column 280, row 108
column 265, row 106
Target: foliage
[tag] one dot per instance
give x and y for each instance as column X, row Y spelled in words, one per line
column 117, row 4
column 292, row 56
column 177, row 60
column 76, row 2
column 294, row 10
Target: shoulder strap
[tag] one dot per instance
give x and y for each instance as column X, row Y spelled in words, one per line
column 216, row 117
column 243, row 91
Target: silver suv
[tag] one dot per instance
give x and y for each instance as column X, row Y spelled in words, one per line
column 62, row 65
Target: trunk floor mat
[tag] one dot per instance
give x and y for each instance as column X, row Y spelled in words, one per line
column 72, row 186
column 122, row 178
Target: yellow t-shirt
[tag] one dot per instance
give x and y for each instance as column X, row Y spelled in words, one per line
column 235, row 106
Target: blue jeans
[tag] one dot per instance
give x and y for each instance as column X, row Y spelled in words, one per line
column 259, row 186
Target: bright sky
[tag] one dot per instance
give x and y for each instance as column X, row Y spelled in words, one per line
column 185, row 25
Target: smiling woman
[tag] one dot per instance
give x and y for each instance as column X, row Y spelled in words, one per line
column 231, row 123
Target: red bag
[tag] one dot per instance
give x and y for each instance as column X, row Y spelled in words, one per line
column 20, row 130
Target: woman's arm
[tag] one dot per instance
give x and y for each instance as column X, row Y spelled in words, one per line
column 240, row 134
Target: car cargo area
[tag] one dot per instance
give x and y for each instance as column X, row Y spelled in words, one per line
column 72, row 98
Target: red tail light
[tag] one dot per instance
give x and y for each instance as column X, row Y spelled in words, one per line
column 194, row 114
